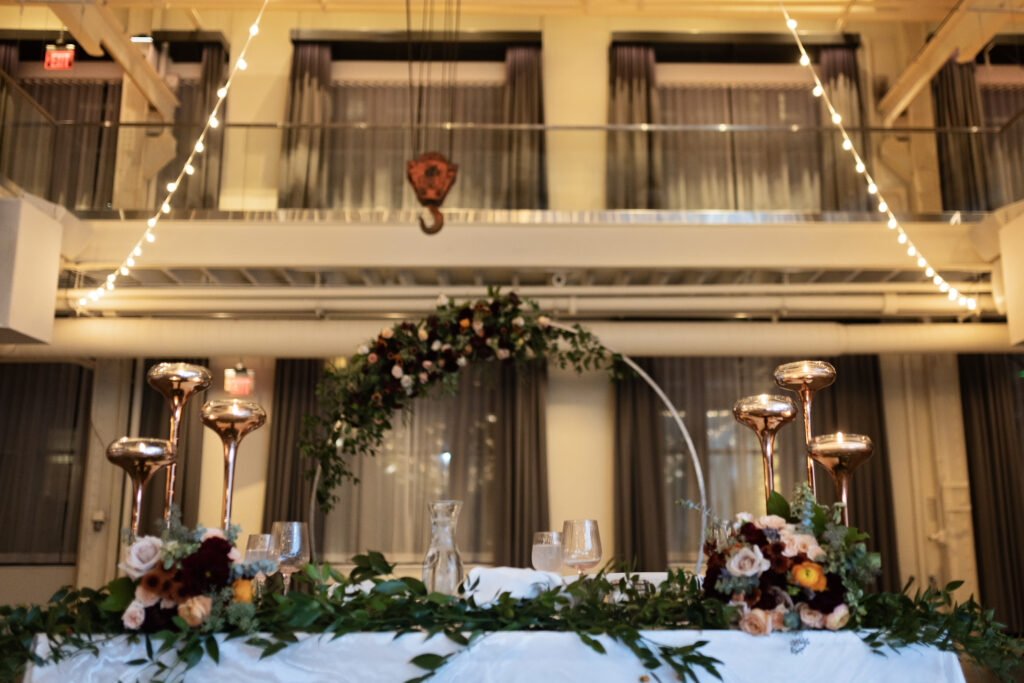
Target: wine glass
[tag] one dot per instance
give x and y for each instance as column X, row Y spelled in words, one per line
column 260, row 547
column 547, row 551
column 291, row 542
column 581, row 544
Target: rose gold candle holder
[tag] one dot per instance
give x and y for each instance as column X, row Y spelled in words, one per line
column 177, row 382
column 140, row 458
column 841, row 454
column 231, row 420
column 806, row 377
column 766, row 414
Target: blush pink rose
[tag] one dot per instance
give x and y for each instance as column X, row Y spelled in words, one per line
column 141, row 556
column 837, row 618
column 747, row 561
column 756, row 622
column 146, row 597
column 770, row 522
column 811, row 618
column 133, row 616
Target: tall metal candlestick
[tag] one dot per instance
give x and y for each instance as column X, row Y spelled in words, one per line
column 841, row 454
column 140, row 458
column 177, row 382
column 806, row 377
column 231, row 420
column 765, row 414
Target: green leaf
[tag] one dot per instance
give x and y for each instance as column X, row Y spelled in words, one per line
column 122, row 592
column 428, row 661
column 777, row 505
column 212, row 648
column 393, row 587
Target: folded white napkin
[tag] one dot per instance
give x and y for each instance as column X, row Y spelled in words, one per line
column 485, row 584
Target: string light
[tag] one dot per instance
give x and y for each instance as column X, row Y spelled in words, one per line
column 149, row 236
column 872, row 188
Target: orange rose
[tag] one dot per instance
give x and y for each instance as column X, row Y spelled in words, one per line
column 242, row 590
column 195, row 610
column 810, row 575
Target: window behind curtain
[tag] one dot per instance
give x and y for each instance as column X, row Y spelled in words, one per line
column 1001, row 105
column 445, row 448
column 44, row 426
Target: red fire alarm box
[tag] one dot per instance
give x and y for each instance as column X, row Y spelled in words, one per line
column 59, row 57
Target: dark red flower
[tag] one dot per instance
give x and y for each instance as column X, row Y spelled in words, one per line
column 753, row 535
column 208, row 568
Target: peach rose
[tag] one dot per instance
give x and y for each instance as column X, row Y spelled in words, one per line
column 756, row 622
column 133, row 616
column 146, row 597
column 808, row 545
column 195, row 610
column 387, row 333
column 799, row 543
column 770, row 522
column 747, row 562
column 837, row 618
column 776, row 616
column 811, row 618
column 141, row 556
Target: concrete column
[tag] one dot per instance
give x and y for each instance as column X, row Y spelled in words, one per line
column 575, row 54
column 1011, row 247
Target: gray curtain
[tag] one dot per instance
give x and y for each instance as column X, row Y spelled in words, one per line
column 44, row 420
column 993, row 403
column 639, row 490
column 525, row 182
column 741, row 170
column 79, row 158
column 197, row 97
column 1003, row 106
column 854, row 405
column 9, row 58
column 634, row 168
column 289, row 476
column 155, row 421
column 842, row 188
column 522, row 496
column 962, row 158
column 304, row 150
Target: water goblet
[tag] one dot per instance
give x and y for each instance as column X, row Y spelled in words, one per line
column 291, row 543
column 260, row 548
column 547, row 551
column 581, row 544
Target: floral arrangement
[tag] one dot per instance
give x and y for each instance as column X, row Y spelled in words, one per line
column 195, row 576
column 358, row 397
column 794, row 568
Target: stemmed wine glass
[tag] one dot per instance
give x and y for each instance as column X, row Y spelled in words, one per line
column 581, row 544
column 291, row 542
column 260, row 547
column 547, row 551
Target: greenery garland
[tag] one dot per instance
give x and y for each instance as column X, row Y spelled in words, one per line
column 358, row 397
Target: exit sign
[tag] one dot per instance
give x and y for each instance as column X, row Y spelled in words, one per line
column 59, row 57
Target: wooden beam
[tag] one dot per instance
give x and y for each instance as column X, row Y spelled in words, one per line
column 92, row 25
column 963, row 33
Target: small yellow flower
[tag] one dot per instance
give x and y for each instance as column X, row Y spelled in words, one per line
column 242, row 589
column 810, row 575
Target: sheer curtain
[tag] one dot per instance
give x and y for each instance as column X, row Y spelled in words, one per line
column 44, row 420
column 744, row 170
column 962, row 163
column 483, row 445
column 197, row 97
column 525, row 179
column 634, row 168
column 155, row 421
column 993, row 404
column 704, row 391
column 82, row 156
column 1001, row 105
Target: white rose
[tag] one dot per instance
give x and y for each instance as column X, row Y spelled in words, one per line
column 747, row 561
column 363, row 349
column 518, row 321
column 756, row 622
column 503, row 354
column 744, row 517
column 406, row 381
column 422, row 334
column 770, row 522
column 811, row 618
column 478, row 325
column 442, row 300
column 396, row 371
column 141, row 556
column 461, row 362
column 436, row 346
column 837, row 618
column 134, row 616
column 543, row 321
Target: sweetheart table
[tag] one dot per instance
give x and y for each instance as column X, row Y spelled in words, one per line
column 803, row 656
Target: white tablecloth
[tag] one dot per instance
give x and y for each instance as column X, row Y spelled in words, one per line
column 518, row 656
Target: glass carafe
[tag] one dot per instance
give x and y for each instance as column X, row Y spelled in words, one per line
column 442, row 567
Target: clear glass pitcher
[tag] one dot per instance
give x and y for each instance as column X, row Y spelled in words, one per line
column 442, row 567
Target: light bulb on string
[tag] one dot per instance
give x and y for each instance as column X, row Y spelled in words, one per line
column 791, row 24
column 872, row 188
column 242, row 64
column 165, row 207
column 150, row 237
column 892, row 223
column 972, row 304
column 172, row 186
column 124, row 270
column 883, row 207
column 836, row 118
column 189, row 169
column 860, row 168
column 130, row 262
column 137, row 251
column 847, row 144
column 222, row 92
column 921, row 263
column 151, row 222
column 214, row 122
column 199, row 146
column 929, row 272
column 805, row 60
column 902, row 239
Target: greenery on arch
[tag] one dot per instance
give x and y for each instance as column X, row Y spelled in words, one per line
column 358, row 397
